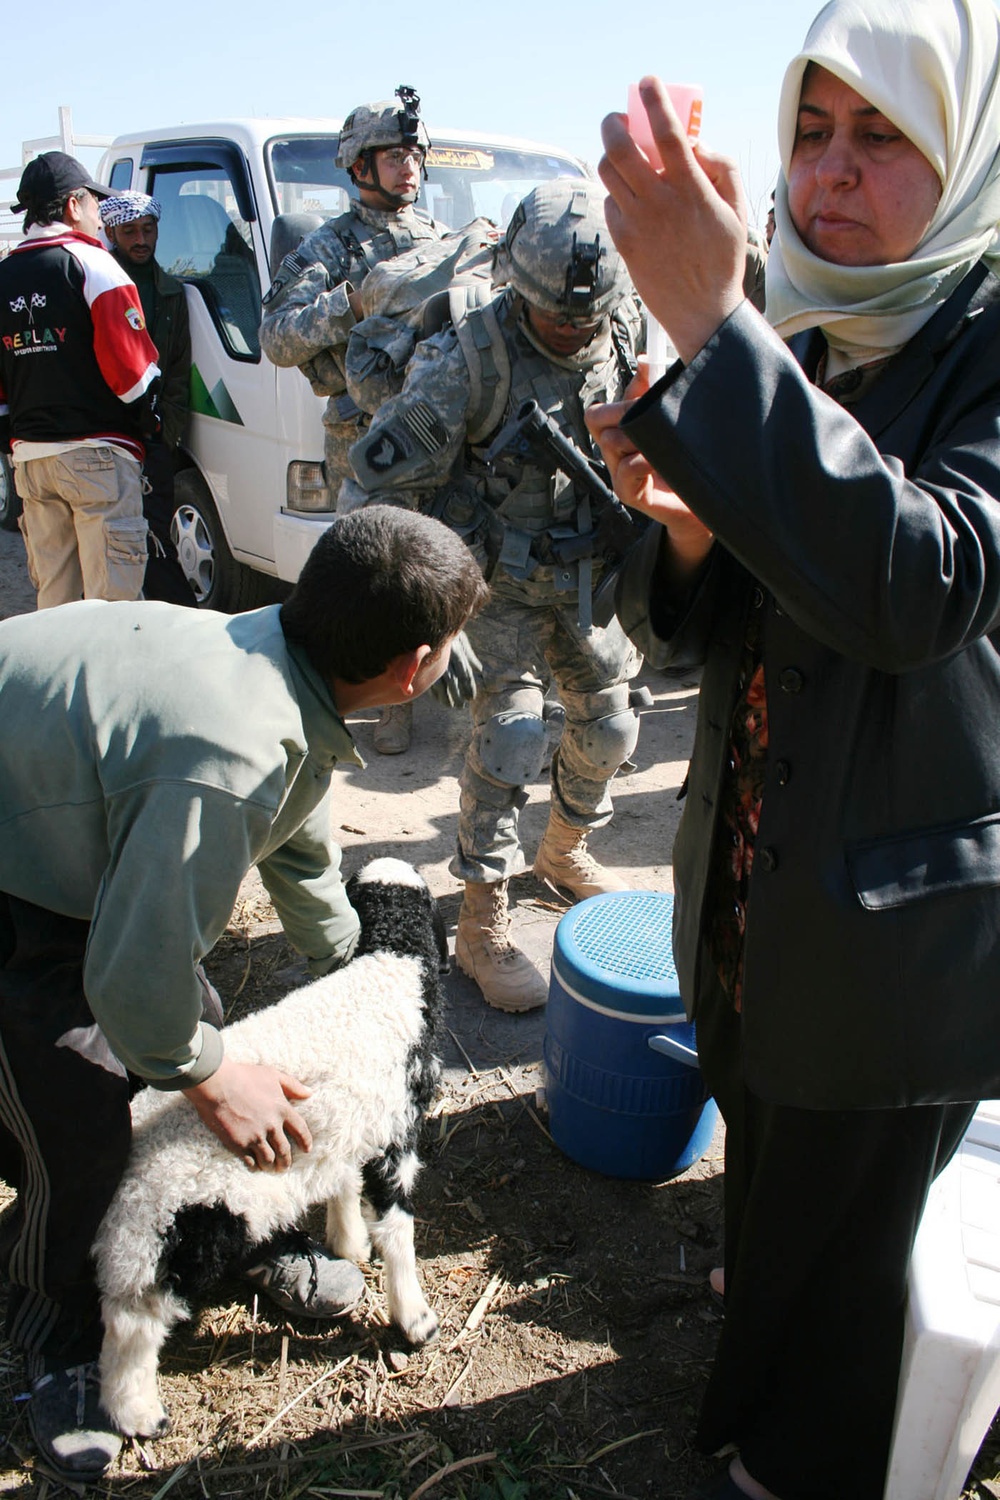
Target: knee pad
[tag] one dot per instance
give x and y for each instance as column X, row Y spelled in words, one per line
column 607, row 742
column 601, row 727
column 512, row 746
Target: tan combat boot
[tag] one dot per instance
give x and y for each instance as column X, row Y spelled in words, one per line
column 564, row 862
column 483, row 950
column 394, row 728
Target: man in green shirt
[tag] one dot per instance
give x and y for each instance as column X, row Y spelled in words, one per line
column 150, row 756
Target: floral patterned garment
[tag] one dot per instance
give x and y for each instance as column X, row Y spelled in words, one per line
column 739, row 818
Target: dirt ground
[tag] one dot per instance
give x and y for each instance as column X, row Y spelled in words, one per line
column 577, row 1324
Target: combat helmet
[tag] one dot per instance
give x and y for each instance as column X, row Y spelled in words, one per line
column 385, row 123
column 558, row 254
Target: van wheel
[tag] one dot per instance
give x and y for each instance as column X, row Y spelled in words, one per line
column 217, row 579
column 10, row 500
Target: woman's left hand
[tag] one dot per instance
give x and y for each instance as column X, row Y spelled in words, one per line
column 681, row 230
column 637, row 484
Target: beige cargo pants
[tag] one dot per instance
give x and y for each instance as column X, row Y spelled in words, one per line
column 82, row 524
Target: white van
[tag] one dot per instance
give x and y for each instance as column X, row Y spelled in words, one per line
column 236, row 196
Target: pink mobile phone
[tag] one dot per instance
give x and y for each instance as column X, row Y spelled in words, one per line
column 686, row 99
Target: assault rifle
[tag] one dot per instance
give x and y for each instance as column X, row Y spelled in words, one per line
column 531, row 434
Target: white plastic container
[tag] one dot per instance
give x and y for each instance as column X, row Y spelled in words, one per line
column 660, row 352
column 949, row 1387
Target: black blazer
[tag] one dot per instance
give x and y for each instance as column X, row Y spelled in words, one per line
column 870, row 542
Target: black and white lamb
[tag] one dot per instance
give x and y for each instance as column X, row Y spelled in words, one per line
column 363, row 1038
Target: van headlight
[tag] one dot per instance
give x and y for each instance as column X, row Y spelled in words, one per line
column 306, row 488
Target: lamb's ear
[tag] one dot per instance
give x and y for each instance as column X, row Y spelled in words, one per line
column 441, row 936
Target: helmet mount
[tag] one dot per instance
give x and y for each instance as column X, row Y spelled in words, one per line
column 409, row 115
column 581, row 275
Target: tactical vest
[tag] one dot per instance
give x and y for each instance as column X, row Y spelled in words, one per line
column 361, row 245
column 528, row 508
column 357, row 249
column 509, row 371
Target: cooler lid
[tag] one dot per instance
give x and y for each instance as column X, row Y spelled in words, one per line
column 616, row 951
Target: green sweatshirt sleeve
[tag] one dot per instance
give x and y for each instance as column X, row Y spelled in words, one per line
column 178, row 853
column 303, row 879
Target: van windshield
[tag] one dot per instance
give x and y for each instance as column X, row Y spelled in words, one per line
column 464, row 180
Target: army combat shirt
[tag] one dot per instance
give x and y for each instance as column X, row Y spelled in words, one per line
column 307, row 315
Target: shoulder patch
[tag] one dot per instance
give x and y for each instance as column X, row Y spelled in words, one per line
column 292, row 267
column 426, row 426
column 294, row 263
column 385, row 451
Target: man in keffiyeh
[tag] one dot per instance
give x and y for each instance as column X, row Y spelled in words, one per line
column 131, row 223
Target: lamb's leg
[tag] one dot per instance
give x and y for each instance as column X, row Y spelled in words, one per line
column 134, row 1332
column 387, row 1184
column 346, row 1230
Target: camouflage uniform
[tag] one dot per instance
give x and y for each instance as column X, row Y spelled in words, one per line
column 307, row 312
column 530, row 632
column 307, row 318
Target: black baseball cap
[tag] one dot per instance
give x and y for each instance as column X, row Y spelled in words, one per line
column 51, row 176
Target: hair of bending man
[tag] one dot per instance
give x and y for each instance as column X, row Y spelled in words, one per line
column 379, row 582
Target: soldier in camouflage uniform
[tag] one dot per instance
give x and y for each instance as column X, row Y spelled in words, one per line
column 314, row 301
column 561, row 332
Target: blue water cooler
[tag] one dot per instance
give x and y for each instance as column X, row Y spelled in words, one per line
column 624, row 1091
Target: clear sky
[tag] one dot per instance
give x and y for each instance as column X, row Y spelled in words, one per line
column 546, row 69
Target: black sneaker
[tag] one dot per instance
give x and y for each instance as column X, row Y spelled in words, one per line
column 308, row 1281
column 72, row 1433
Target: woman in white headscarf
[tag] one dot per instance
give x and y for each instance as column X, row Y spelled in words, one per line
column 828, row 493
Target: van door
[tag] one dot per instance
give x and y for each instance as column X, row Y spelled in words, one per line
column 210, row 237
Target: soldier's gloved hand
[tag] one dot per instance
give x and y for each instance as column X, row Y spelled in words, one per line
column 457, row 684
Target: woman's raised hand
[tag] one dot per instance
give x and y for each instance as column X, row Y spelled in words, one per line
column 682, row 229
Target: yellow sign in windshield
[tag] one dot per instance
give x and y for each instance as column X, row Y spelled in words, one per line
column 460, row 156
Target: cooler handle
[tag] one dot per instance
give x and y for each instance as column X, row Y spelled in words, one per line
column 671, row 1047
